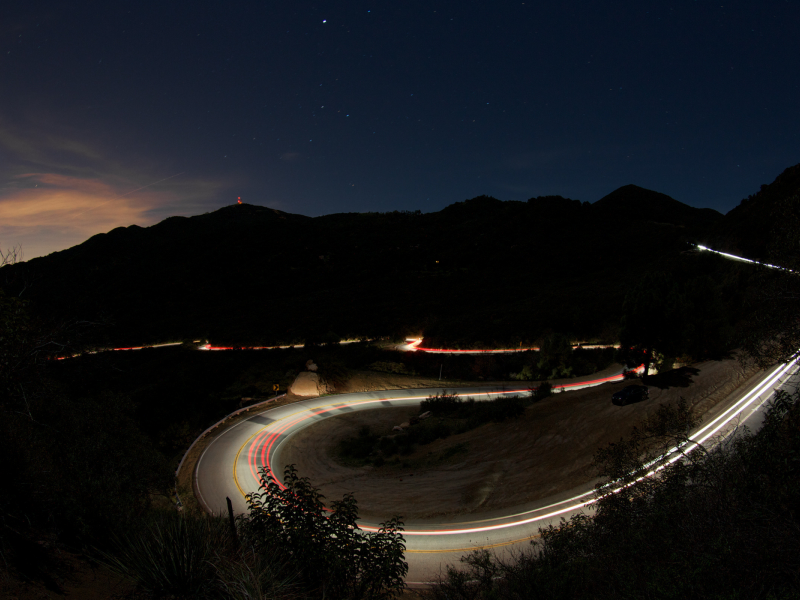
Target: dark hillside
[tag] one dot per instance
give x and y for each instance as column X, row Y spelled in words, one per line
column 476, row 272
column 746, row 230
column 642, row 204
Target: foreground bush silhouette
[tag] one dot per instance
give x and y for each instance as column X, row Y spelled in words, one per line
column 288, row 546
column 722, row 523
column 335, row 558
column 198, row 557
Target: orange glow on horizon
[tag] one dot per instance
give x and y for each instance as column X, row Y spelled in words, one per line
column 47, row 212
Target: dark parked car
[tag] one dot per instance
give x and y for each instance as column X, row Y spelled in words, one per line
column 630, row 394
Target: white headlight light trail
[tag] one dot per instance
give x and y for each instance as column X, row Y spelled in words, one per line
column 742, row 259
column 675, row 454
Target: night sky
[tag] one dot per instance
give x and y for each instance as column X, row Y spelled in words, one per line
column 114, row 113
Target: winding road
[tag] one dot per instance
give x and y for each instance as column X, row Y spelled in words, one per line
column 229, row 466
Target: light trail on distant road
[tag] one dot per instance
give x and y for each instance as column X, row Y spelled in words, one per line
column 120, row 349
column 742, row 259
column 414, row 345
column 208, row 346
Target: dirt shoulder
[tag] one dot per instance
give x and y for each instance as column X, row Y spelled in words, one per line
column 546, row 452
column 371, row 381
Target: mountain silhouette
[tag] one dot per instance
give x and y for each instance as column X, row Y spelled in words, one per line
column 476, row 271
column 647, row 205
column 747, row 229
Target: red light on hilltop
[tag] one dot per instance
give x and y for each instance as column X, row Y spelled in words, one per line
column 239, row 199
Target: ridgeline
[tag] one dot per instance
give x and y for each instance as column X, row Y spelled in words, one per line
column 478, row 272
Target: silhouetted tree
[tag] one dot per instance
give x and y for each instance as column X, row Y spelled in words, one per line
column 654, row 318
column 772, row 334
column 337, row 558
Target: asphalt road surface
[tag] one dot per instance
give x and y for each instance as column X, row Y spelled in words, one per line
column 230, row 464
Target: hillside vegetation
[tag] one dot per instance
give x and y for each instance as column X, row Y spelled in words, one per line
column 748, row 229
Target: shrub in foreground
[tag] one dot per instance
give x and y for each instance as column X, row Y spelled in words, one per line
column 199, row 557
column 335, row 558
column 288, row 546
